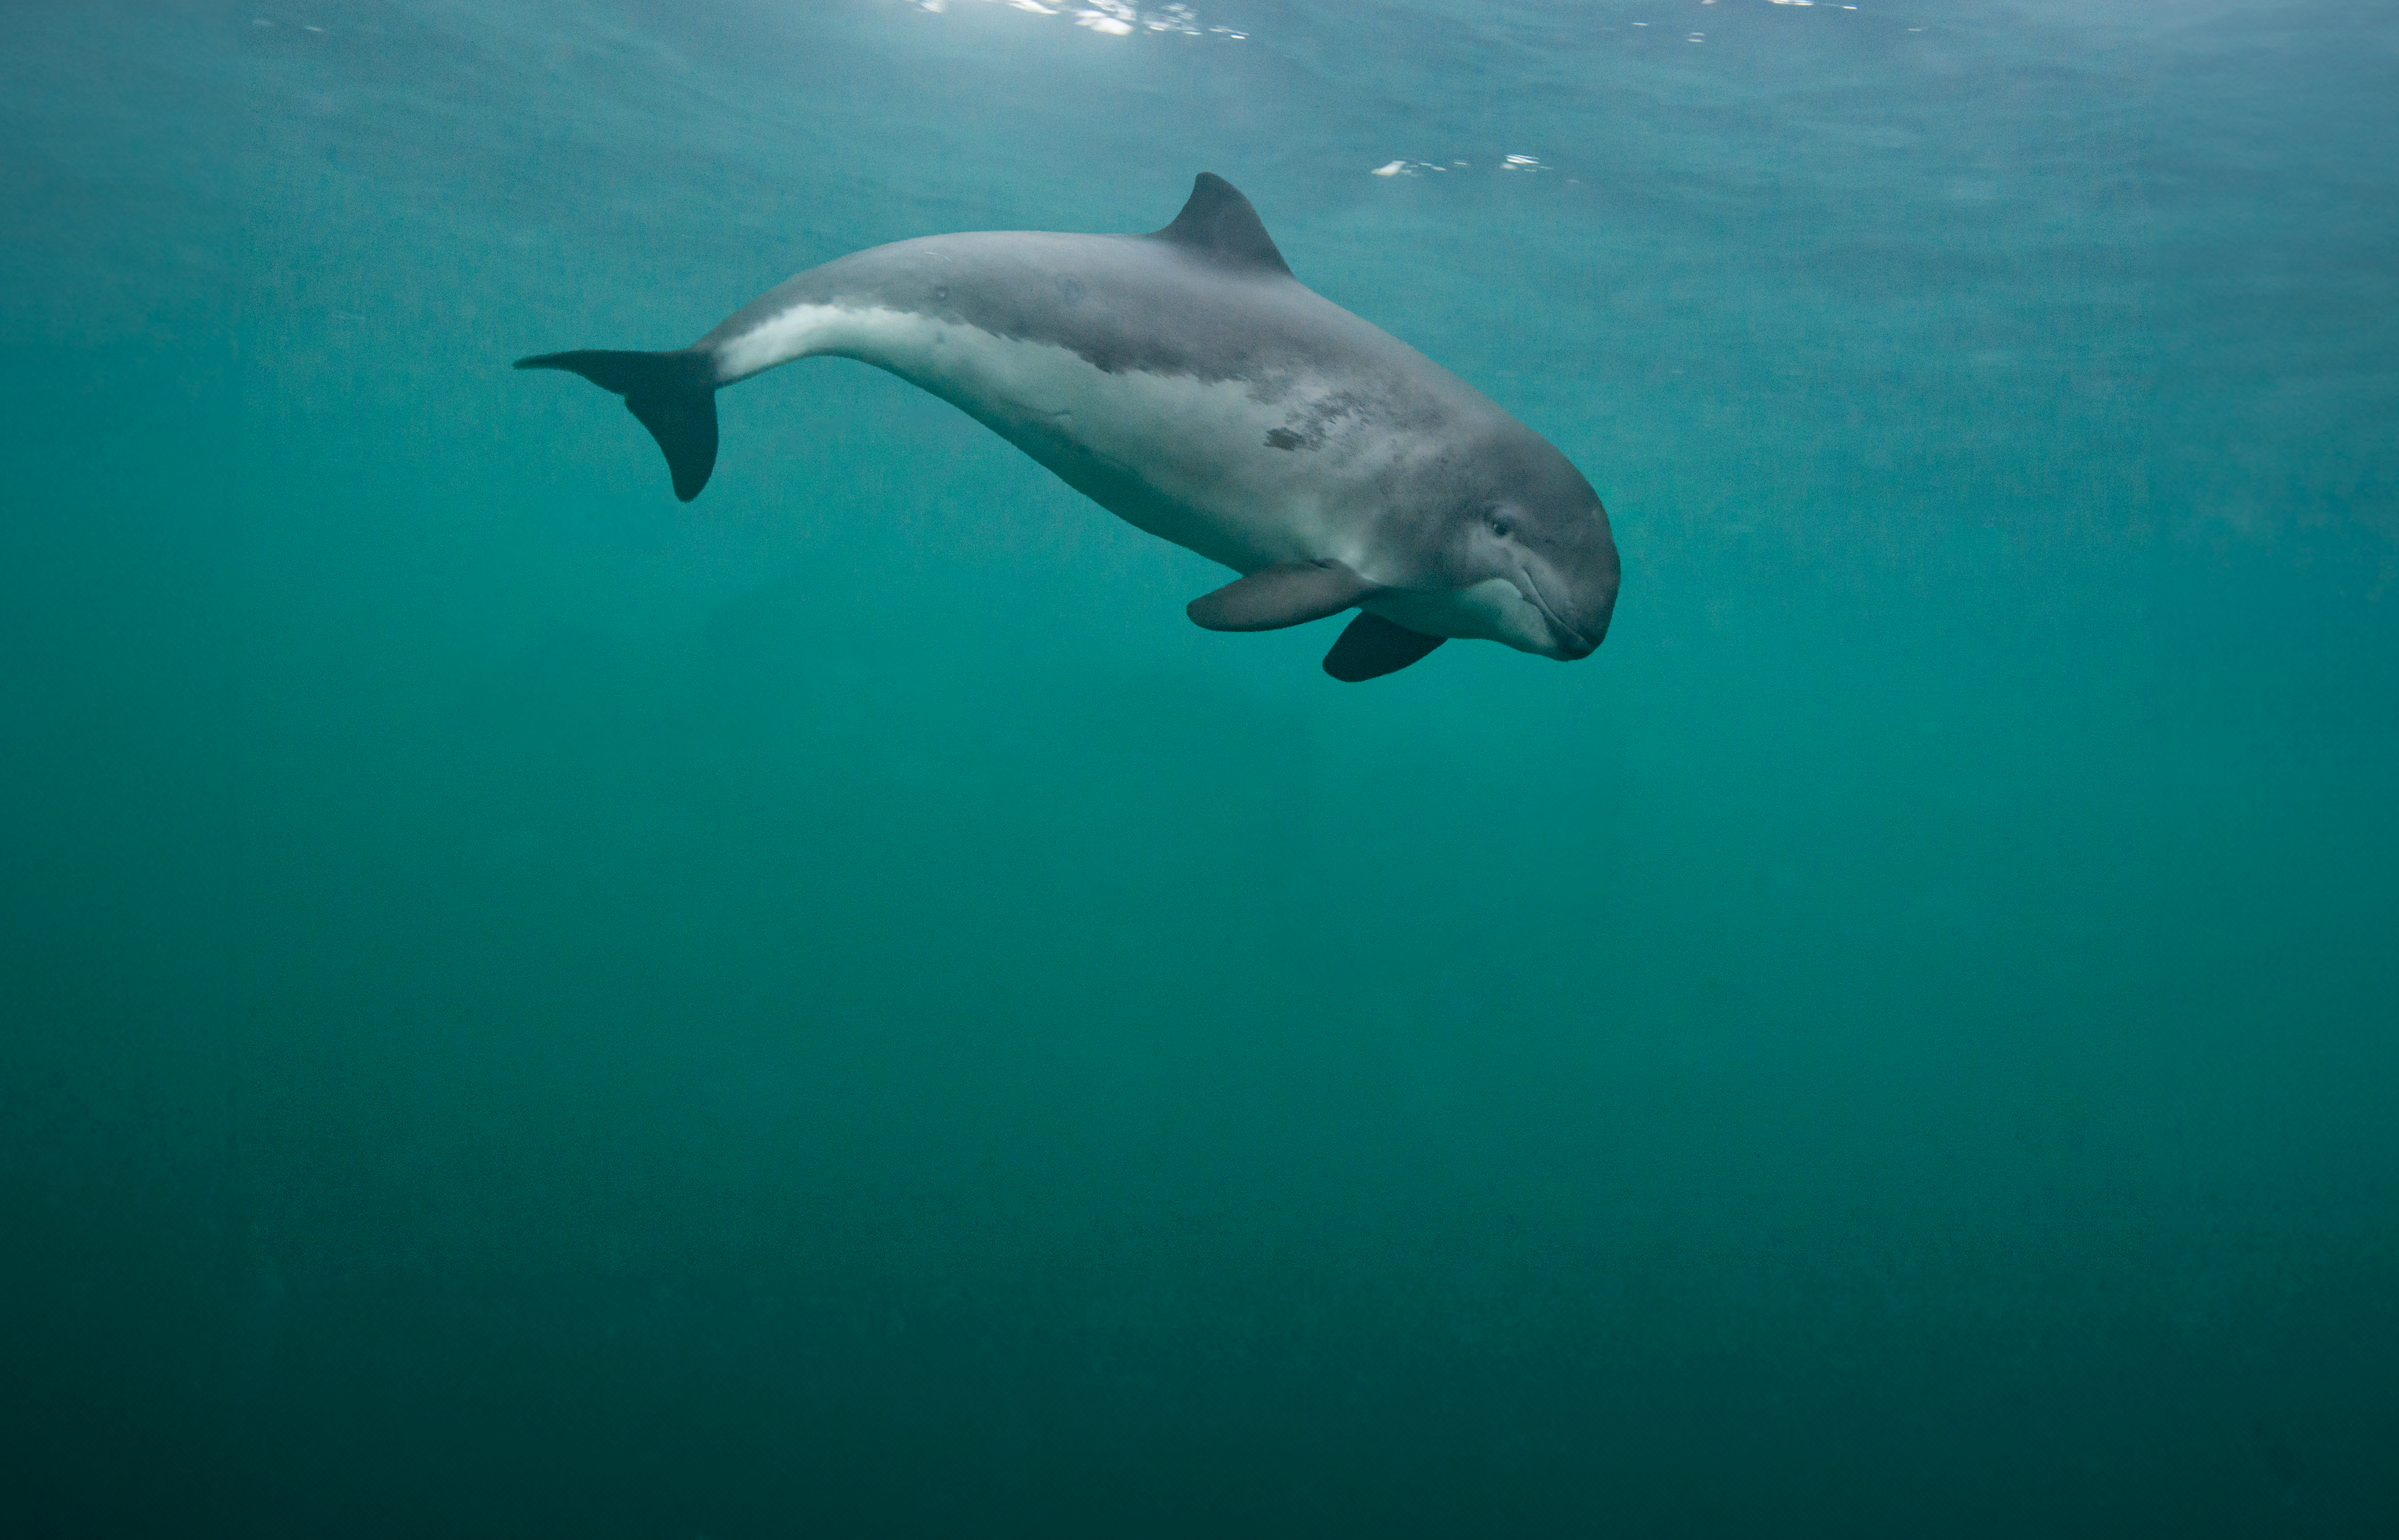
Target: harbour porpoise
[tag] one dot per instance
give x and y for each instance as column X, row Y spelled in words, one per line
column 1185, row 382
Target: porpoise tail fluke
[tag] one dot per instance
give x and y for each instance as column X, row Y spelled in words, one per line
column 674, row 394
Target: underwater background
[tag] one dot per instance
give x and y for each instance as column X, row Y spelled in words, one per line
column 529, row 1008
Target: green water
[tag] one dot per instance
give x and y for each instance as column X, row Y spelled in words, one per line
column 529, row 1008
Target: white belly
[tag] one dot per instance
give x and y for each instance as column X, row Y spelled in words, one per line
column 1188, row 460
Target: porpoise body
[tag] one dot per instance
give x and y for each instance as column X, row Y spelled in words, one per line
column 1188, row 383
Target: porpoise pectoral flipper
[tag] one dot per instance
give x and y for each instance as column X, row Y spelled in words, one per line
column 1292, row 593
column 1370, row 647
column 1188, row 383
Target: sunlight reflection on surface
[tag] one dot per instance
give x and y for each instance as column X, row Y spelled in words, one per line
column 1123, row 18
column 1113, row 18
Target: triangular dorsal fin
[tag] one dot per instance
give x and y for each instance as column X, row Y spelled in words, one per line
column 1219, row 226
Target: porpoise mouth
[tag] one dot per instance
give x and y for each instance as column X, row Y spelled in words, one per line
column 1575, row 644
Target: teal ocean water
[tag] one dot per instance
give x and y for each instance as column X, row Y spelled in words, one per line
column 530, row 1008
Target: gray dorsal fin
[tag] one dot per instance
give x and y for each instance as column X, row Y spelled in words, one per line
column 1219, row 225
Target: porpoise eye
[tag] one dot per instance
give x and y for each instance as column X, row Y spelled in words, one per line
column 1499, row 522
